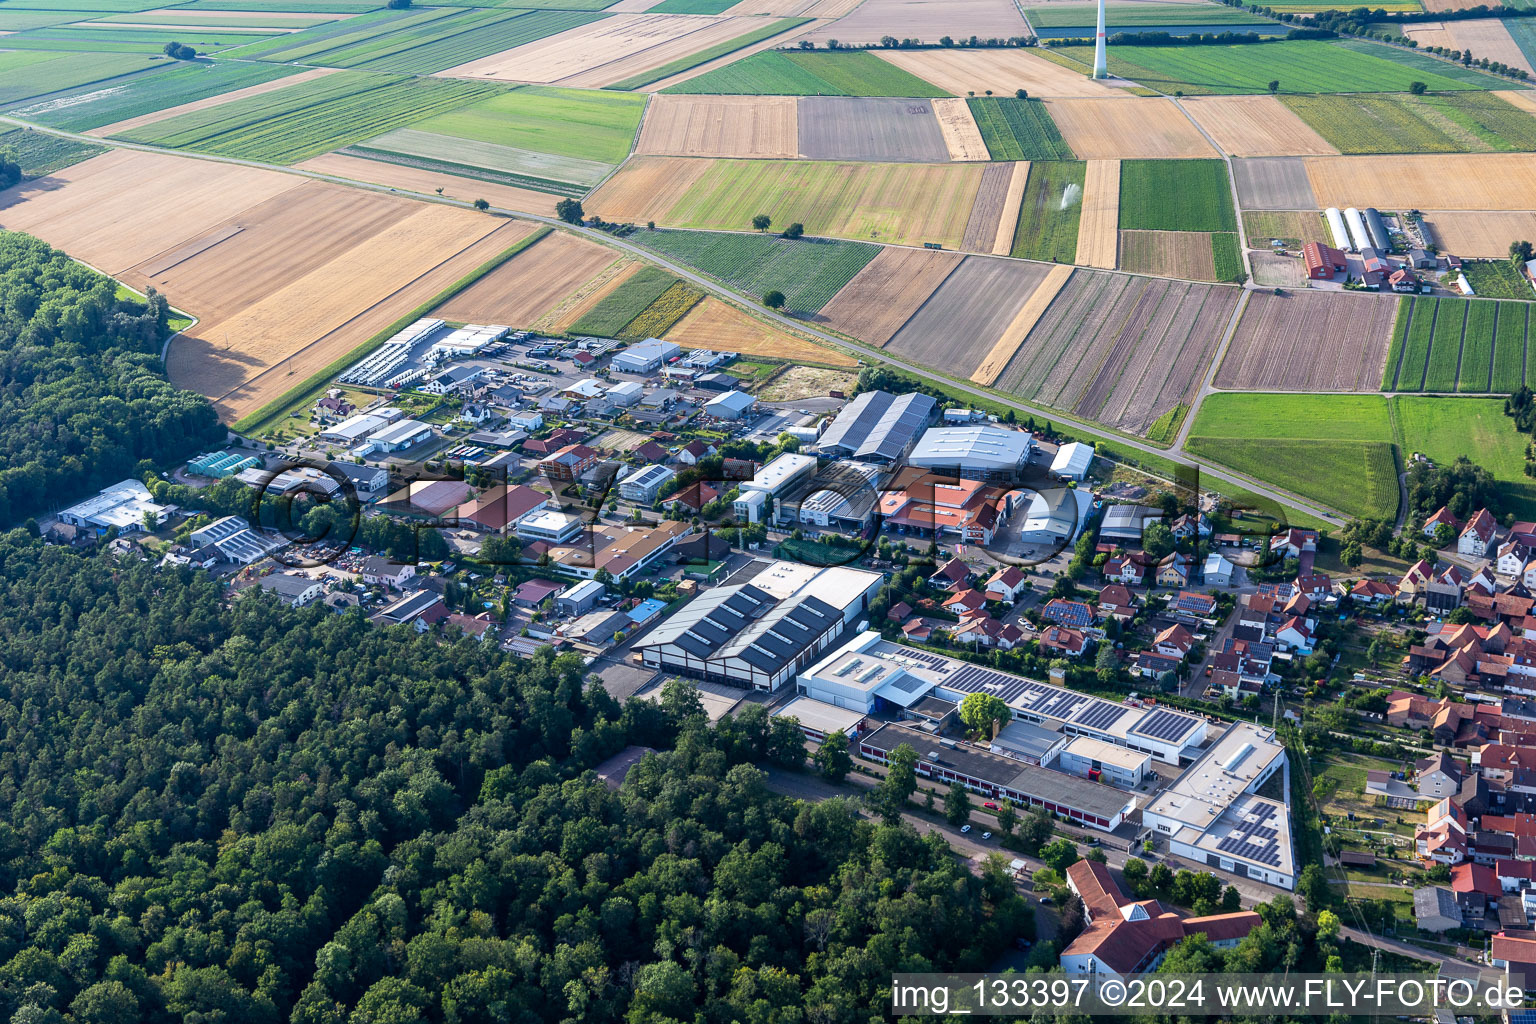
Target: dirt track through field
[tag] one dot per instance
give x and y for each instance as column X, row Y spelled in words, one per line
column 726, row 126
column 1251, row 126
column 1310, row 341
column 1098, row 228
column 883, row 295
column 1469, row 181
column 987, row 212
column 1141, row 127
column 413, row 179
column 1003, row 71
column 961, row 135
column 1023, row 322
column 119, row 127
column 870, row 129
column 531, row 284
column 1273, row 183
column 953, row 330
column 1008, row 221
column 1479, row 235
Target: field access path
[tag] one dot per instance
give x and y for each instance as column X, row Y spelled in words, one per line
column 864, row 352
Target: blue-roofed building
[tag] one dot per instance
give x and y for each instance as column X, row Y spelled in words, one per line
column 1068, row 613
column 646, row 610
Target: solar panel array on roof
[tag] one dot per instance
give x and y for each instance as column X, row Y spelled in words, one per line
column 1188, row 602
column 878, row 424
column 937, row 661
column 1165, row 725
column 1060, row 704
column 981, row 680
column 1254, row 837
column 1068, row 613
column 782, row 634
column 1099, row 715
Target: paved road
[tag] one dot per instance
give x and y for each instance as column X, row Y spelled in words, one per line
column 865, row 352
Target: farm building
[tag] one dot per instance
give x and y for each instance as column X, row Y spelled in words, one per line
column 733, row 405
column 877, row 426
column 975, row 452
column 645, row 357
column 1072, row 461
column 1380, row 238
column 1357, row 231
column 1323, row 261
column 1336, row 228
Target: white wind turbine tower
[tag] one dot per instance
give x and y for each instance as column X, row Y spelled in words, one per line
column 1100, row 61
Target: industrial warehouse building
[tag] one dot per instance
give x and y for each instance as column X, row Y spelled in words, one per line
column 980, row 452
column 124, row 505
column 1072, row 461
column 877, row 427
column 644, row 357
column 763, row 625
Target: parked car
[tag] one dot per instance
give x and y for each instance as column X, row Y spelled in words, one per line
column 989, row 805
column 986, row 835
column 964, row 829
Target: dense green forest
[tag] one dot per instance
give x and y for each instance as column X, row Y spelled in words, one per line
column 83, row 397
column 240, row 812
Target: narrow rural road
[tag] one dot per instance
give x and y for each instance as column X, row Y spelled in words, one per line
column 1232, row 477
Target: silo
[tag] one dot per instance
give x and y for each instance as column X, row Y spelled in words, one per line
column 1357, row 232
column 1380, row 238
column 1336, row 226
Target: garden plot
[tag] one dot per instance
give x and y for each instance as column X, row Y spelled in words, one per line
column 1256, row 126
column 1097, row 237
column 1003, row 71
column 1310, row 341
column 883, row 295
column 875, row 129
column 721, row 126
column 954, row 332
column 1485, row 37
column 1479, row 235
column 530, row 284
column 718, row 325
column 432, row 182
column 1274, row 183
column 1473, row 181
column 489, row 156
column 961, row 135
column 1126, row 128
column 926, row 21
column 989, row 210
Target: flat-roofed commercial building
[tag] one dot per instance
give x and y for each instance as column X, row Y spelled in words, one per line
column 977, row 452
column 1102, row 761
column 877, row 427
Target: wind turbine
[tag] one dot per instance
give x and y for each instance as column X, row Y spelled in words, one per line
column 1100, row 61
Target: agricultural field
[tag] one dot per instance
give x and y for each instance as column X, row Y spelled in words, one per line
column 578, row 303
column 625, row 303
column 1127, row 127
column 751, row 127
column 1003, row 350
column 1473, row 181
column 874, row 129
column 1274, row 183
column 1121, row 350
column 757, row 39
column 1420, row 64
column 219, row 99
column 1481, row 235
column 809, row 271
column 1272, row 270
column 1293, row 228
column 1256, row 126
column 1446, row 345
column 1303, row 66
column 1016, row 129
column 887, row 292
column 1485, row 37
column 317, row 40
column 80, row 110
column 96, row 38
column 1050, row 211
column 954, row 332
column 660, row 316
column 719, row 325
column 40, row 155
column 1098, row 240
column 1002, row 71
column 294, row 124
column 1490, row 279
column 430, row 182
column 1139, row 15
column 527, row 287
column 991, row 208
column 894, row 203
column 1183, row 254
column 913, row 19
column 1309, row 341
column 1524, row 34
column 1444, row 429
column 961, row 135
column 806, row 73
column 1464, row 122
column 1175, row 195
column 28, row 73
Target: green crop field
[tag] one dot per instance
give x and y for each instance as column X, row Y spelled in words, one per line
column 709, row 53
column 1458, row 345
column 579, row 123
column 1047, row 228
column 40, row 154
column 1015, row 129
column 28, row 73
column 809, row 271
column 1497, row 279
column 1423, row 63
column 808, row 73
column 1175, row 195
column 1463, row 122
column 1523, row 33
column 311, row 118
column 537, row 5
column 20, row 21
column 171, row 20
column 691, row 6
column 1226, row 255
column 1300, row 66
column 98, row 38
column 287, row 6
column 309, row 46
column 1278, row 416
column 1315, row 6
column 626, row 302
column 1139, row 15
column 182, row 82
column 1444, row 429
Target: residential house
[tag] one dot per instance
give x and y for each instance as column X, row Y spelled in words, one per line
column 383, row 571
column 692, row 498
column 1295, row 634
column 1068, row 613
column 1007, row 584
column 1513, row 557
column 293, row 590
column 1443, row 836
column 1152, row 664
column 1116, row 601
column 1175, row 642
column 1063, row 640
column 953, row 573
column 1475, row 886
column 1372, row 592
column 1442, row 516
column 1435, row 908
column 1478, row 535
column 1294, row 542
column 1174, row 572
column 965, row 602
column 1127, row 569
column 694, row 452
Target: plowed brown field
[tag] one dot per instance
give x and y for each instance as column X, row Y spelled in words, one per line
column 1028, row 316
column 886, row 293
column 982, row 229
column 740, row 126
column 1182, row 254
column 1310, row 341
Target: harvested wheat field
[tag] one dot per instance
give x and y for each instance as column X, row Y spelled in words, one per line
column 414, row 179
column 1003, row 71
column 1127, row 128
column 1182, row 254
column 1256, row 126
column 1479, row 235
column 886, row 293
column 1024, row 321
column 1008, row 221
column 592, row 56
column 646, row 188
column 719, row 325
column 118, row 127
column 1310, row 341
column 925, row 20
column 1525, row 99
column 1097, row 234
column 990, row 210
column 532, row 283
column 790, row 8
column 1468, row 181
column 585, row 299
column 953, row 331
column 117, row 209
column 961, row 135
column 1485, row 37
column 737, row 126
